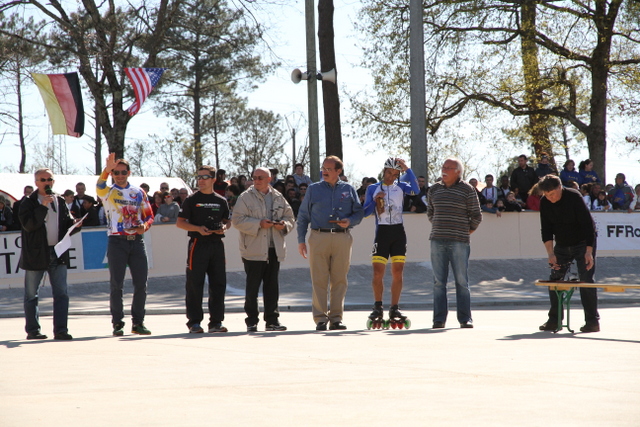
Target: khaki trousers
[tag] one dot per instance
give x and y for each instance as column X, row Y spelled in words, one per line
column 329, row 262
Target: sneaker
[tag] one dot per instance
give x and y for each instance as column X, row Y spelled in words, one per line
column 140, row 330
column 62, row 336
column 275, row 327
column 196, row 329
column 252, row 328
column 321, row 326
column 217, row 328
column 118, row 329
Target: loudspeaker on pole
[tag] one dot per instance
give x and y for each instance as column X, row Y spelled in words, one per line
column 297, row 76
column 328, row 76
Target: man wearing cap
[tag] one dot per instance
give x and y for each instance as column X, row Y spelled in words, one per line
column 89, row 206
column 544, row 168
column 331, row 207
column 385, row 199
column 45, row 221
column 129, row 216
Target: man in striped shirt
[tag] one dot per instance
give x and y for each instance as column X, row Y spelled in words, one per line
column 454, row 212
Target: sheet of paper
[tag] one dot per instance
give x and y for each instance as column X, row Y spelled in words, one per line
column 64, row 244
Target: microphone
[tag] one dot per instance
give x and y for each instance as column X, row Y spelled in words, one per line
column 49, row 192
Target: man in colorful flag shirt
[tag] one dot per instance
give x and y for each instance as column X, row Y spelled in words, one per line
column 386, row 199
column 129, row 216
column 205, row 216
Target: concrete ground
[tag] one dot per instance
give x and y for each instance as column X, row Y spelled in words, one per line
column 502, row 372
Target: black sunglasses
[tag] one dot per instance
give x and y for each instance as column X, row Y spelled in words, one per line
column 117, row 173
column 46, row 179
column 198, row 177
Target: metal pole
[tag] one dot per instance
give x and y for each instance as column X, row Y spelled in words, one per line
column 416, row 79
column 314, row 140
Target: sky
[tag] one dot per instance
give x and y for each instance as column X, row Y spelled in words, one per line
column 280, row 95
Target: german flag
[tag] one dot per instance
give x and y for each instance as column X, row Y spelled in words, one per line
column 63, row 100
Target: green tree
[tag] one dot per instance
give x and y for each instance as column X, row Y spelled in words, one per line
column 17, row 57
column 104, row 38
column 258, row 140
column 475, row 60
column 211, row 51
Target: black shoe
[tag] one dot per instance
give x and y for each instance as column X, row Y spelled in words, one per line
column 62, row 336
column 252, row 328
column 466, row 325
column 321, row 326
column 548, row 326
column 118, row 329
column 438, row 325
column 338, row 326
column 590, row 327
column 36, row 336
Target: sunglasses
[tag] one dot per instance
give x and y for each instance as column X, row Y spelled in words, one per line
column 199, row 177
column 164, row 188
column 46, row 179
column 259, row 178
column 118, row 173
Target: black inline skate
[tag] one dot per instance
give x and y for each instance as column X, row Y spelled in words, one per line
column 376, row 318
column 397, row 320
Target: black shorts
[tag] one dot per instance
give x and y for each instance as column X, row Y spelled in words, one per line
column 390, row 241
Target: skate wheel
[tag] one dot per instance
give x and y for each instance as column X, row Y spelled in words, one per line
column 385, row 324
column 369, row 324
column 407, row 324
column 393, row 324
column 400, row 325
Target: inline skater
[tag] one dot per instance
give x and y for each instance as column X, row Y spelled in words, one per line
column 385, row 200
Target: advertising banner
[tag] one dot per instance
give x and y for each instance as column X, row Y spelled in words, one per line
column 618, row 231
column 88, row 252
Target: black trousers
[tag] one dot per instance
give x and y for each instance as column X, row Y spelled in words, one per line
column 265, row 272
column 205, row 258
column 588, row 296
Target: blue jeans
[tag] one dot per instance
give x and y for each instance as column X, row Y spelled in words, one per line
column 58, row 278
column 443, row 253
column 120, row 253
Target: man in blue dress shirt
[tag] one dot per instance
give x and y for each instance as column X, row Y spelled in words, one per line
column 331, row 207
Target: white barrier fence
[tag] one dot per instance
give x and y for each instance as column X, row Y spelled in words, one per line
column 513, row 236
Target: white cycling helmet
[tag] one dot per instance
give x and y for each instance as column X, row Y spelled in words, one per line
column 392, row 163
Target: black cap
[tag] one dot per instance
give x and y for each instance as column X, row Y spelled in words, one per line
column 88, row 198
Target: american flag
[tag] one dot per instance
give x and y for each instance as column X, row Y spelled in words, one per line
column 143, row 81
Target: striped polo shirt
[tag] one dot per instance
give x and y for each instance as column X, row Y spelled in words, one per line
column 453, row 211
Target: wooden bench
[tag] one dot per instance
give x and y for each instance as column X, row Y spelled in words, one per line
column 564, row 291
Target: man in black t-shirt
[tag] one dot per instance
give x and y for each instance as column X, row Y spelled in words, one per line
column 205, row 215
column 565, row 218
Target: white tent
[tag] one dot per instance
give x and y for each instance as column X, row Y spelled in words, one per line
column 12, row 184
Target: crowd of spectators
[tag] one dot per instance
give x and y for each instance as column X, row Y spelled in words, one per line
column 514, row 193
column 520, row 192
